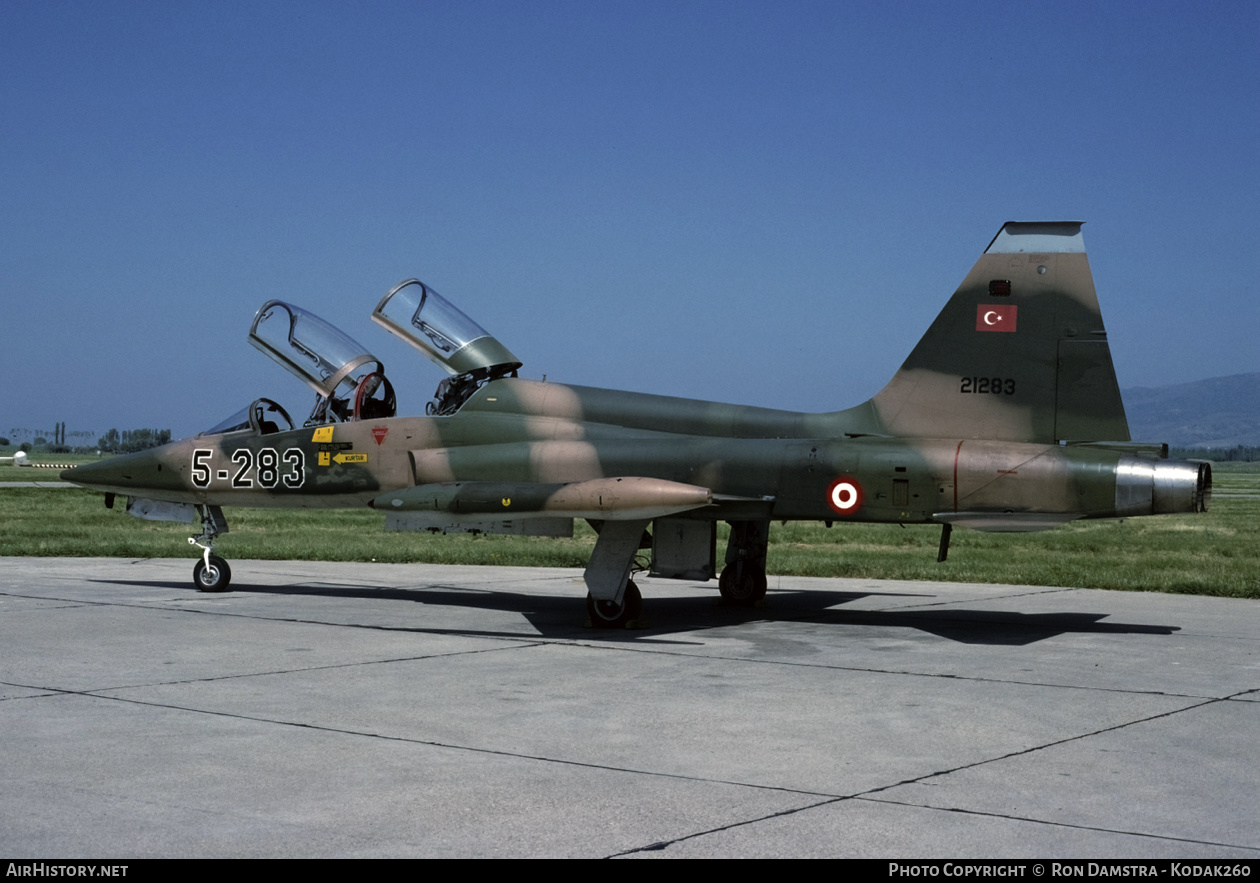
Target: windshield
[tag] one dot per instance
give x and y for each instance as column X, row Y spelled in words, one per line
column 263, row 416
column 235, row 423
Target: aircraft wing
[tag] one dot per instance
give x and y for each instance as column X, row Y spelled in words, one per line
column 621, row 507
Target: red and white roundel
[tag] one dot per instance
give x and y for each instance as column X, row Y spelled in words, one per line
column 844, row 496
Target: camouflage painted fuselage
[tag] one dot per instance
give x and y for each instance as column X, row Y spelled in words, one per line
column 782, row 465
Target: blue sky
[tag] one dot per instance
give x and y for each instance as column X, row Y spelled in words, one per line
column 764, row 203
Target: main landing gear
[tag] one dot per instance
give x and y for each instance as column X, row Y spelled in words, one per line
column 610, row 614
column 613, row 600
column 211, row 573
column 743, row 579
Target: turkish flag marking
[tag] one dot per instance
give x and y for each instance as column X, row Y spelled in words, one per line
column 996, row 317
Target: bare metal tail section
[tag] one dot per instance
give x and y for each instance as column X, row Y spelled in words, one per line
column 1018, row 354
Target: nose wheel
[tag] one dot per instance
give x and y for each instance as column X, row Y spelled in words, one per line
column 212, row 575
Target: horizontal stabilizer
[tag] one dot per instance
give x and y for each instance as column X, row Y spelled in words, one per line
column 1007, row 522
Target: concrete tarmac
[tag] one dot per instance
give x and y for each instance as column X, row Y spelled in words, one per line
column 418, row 710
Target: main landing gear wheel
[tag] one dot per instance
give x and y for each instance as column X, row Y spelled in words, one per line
column 212, row 578
column 610, row 615
column 742, row 585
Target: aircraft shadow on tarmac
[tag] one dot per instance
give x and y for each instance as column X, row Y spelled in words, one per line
column 555, row 616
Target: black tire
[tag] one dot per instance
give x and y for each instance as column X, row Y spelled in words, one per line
column 742, row 585
column 214, row 578
column 607, row 615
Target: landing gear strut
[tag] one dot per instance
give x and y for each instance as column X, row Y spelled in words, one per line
column 943, row 552
column 211, row 573
column 743, row 580
column 608, row 604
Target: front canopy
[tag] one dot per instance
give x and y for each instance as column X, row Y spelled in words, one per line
column 319, row 354
column 326, row 359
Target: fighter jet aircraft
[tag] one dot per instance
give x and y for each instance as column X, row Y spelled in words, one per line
column 1005, row 417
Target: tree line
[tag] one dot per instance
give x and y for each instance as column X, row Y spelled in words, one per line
column 131, row 440
column 127, row 441
column 1236, row 454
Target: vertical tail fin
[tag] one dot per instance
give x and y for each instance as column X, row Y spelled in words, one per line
column 1019, row 353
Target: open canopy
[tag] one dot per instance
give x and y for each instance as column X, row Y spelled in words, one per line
column 349, row 381
column 430, row 323
column 319, row 354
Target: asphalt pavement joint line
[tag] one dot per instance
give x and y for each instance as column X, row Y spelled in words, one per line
column 1080, row 736
column 434, row 744
column 866, row 796
column 100, row 691
column 1051, row 590
column 161, row 606
column 665, row 844
column 660, row 845
column 63, row 603
column 1015, row 818
column 879, row 671
column 45, row 692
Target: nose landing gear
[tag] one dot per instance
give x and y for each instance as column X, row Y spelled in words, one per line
column 211, row 573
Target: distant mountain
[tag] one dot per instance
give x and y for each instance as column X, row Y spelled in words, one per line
column 1220, row 412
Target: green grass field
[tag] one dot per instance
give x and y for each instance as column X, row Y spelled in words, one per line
column 1217, row 553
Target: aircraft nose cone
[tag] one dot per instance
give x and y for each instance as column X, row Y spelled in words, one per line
column 143, row 470
column 111, row 472
column 90, row 473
